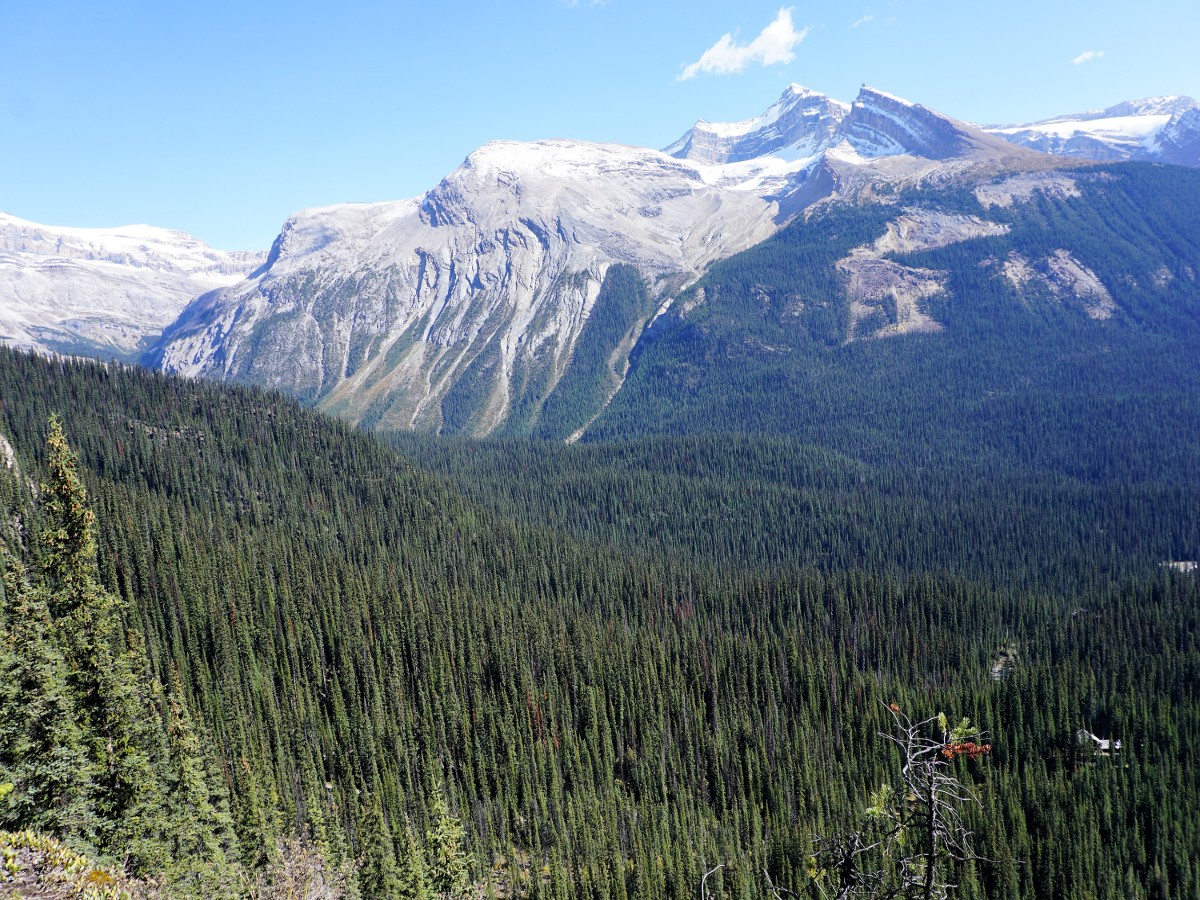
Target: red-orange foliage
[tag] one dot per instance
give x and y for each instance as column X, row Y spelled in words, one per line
column 969, row 749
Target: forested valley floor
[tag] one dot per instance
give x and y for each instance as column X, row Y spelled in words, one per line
column 498, row 669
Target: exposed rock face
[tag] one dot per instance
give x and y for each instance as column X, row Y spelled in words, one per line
column 1020, row 188
column 461, row 310
column 7, row 457
column 919, row 229
column 102, row 290
column 888, row 298
column 1179, row 141
column 882, row 125
column 1061, row 277
column 1156, row 129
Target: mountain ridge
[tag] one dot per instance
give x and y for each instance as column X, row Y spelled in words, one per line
column 103, row 291
column 463, row 308
column 1152, row 129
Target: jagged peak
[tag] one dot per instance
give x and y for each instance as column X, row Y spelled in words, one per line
column 877, row 123
column 867, row 93
column 800, row 118
column 793, row 95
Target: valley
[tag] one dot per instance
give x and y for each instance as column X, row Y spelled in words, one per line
column 585, row 526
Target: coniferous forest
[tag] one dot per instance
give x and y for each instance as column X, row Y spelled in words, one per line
column 241, row 639
column 248, row 651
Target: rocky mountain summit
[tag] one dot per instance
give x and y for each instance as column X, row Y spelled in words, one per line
column 804, row 123
column 463, row 308
column 386, row 311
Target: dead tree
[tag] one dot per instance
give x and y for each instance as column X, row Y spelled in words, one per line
column 912, row 835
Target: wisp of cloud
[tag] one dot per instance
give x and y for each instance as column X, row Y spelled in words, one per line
column 773, row 45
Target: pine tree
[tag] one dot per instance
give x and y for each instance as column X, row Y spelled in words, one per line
column 101, row 671
column 42, row 751
column 378, row 876
column 411, row 880
column 201, row 840
column 449, row 875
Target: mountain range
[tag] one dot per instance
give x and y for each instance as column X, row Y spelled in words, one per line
column 103, row 291
column 531, row 272
column 464, row 309
column 1156, row 129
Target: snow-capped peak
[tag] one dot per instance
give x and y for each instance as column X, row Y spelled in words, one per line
column 867, row 93
column 137, row 245
column 801, row 121
column 1152, row 128
column 794, row 94
column 102, row 289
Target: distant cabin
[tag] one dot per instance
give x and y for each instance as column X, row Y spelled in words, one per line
column 1102, row 746
column 1182, row 565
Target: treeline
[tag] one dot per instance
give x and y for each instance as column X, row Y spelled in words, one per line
column 373, row 662
column 1017, row 383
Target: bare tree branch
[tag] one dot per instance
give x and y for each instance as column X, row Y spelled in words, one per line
column 913, row 833
column 703, row 890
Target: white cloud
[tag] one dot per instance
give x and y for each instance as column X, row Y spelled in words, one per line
column 863, row 21
column 773, row 45
column 1087, row 56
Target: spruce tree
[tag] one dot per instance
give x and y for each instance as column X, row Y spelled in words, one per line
column 449, row 875
column 42, row 752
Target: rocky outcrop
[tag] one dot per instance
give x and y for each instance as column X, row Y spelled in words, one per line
column 459, row 310
column 888, row 298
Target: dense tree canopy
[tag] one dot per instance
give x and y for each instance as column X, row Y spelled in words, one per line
column 315, row 641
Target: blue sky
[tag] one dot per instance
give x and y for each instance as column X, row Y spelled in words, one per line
column 221, row 118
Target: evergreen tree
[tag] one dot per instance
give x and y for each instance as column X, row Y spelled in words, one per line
column 411, row 880
column 43, row 756
column 379, row 876
column 448, row 871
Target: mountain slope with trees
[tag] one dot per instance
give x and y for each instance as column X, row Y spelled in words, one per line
column 1019, row 376
column 379, row 666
